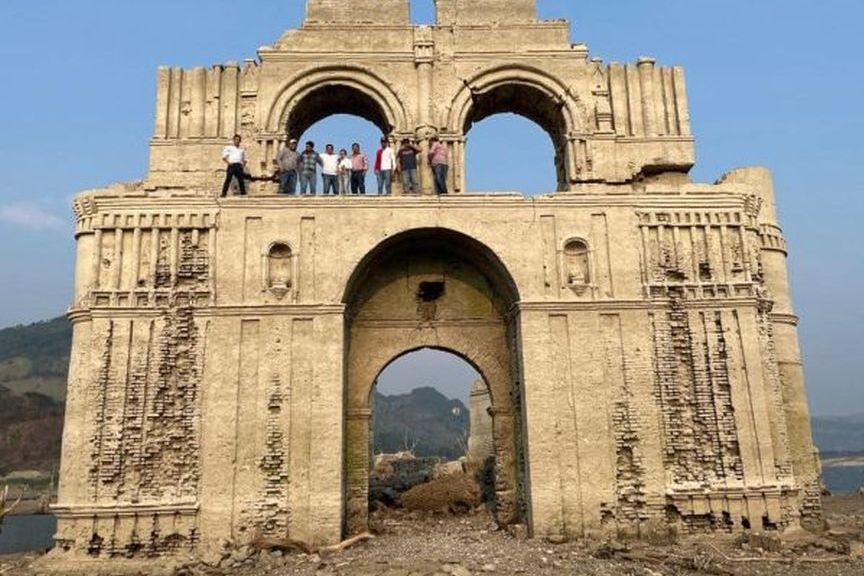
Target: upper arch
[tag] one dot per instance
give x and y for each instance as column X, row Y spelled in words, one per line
column 519, row 76
column 377, row 102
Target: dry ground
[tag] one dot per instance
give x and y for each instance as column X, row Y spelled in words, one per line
column 409, row 545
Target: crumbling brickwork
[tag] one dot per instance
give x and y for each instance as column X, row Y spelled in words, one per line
column 694, row 391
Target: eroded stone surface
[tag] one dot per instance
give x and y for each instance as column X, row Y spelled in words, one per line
column 634, row 330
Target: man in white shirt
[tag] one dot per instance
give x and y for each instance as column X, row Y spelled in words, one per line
column 330, row 170
column 234, row 158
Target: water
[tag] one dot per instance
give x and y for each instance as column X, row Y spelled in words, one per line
column 839, row 479
column 27, row 533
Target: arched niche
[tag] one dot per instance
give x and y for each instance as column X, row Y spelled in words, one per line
column 432, row 288
column 279, row 269
column 577, row 265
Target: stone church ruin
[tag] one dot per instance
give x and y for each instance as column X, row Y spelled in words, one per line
column 634, row 329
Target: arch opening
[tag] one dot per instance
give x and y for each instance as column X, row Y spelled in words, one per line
column 508, row 152
column 342, row 131
column 532, row 103
column 432, row 425
column 334, row 99
column 442, row 290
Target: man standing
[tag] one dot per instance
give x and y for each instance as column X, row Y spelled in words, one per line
column 288, row 161
column 234, row 158
column 359, row 167
column 345, row 166
column 439, row 159
column 330, row 170
column 407, row 166
column 385, row 163
column 309, row 162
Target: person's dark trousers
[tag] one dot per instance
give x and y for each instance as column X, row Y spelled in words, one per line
column 288, row 182
column 331, row 183
column 358, row 182
column 440, row 173
column 234, row 171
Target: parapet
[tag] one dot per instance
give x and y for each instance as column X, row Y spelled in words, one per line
column 380, row 12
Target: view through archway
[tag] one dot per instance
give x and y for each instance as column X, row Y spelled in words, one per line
column 509, row 153
column 343, row 130
column 433, row 447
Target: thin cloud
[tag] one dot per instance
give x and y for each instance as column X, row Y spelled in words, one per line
column 31, row 216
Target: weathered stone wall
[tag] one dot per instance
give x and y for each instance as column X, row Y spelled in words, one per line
column 635, row 330
column 480, row 441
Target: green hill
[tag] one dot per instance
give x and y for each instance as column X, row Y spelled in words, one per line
column 423, row 420
column 34, row 362
column 35, row 358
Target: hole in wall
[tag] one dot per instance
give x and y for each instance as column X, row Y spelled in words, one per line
column 430, row 291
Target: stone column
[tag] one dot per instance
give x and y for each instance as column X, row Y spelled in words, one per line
column 506, row 488
column 357, row 424
column 424, row 57
column 646, row 83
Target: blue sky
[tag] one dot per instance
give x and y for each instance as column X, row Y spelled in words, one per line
column 773, row 82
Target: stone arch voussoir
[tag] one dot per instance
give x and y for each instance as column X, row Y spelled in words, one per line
column 514, row 74
column 366, row 82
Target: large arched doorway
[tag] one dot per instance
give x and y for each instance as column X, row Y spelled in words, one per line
column 433, row 288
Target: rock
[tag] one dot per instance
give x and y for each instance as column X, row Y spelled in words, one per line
column 489, row 568
column 766, row 542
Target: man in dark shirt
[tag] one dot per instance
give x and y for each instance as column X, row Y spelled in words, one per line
column 309, row 162
column 288, row 161
column 407, row 166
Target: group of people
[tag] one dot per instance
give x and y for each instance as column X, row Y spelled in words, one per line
column 341, row 173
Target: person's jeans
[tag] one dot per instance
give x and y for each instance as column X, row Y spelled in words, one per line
column 440, row 173
column 234, row 171
column 308, row 184
column 410, row 182
column 331, row 183
column 385, row 182
column 288, row 182
column 344, row 182
column 358, row 182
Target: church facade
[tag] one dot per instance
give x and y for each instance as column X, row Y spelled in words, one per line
column 634, row 329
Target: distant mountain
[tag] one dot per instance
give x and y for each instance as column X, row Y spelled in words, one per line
column 31, row 427
column 34, row 362
column 839, row 434
column 35, row 358
column 424, row 420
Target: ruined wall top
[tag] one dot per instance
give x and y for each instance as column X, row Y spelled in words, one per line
column 398, row 12
column 452, row 12
column 382, row 12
